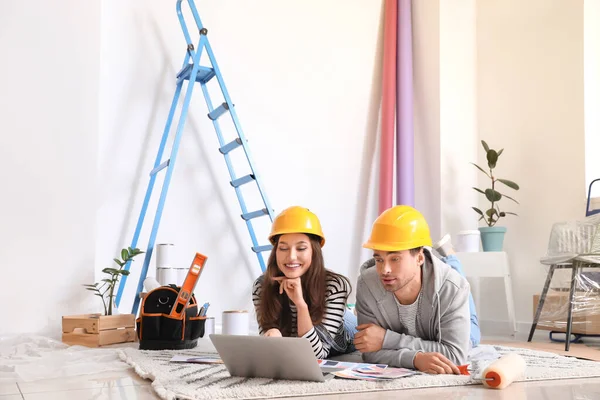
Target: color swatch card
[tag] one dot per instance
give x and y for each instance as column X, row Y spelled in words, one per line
column 375, row 373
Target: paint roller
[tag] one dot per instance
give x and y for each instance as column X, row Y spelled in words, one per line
column 503, row 371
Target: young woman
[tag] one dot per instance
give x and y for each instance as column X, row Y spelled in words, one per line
column 297, row 296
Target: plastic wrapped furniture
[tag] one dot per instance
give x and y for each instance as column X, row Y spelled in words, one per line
column 574, row 245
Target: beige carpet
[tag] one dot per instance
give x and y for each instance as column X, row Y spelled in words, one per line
column 203, row 382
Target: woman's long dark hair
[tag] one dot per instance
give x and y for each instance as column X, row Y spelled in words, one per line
column 274, row 310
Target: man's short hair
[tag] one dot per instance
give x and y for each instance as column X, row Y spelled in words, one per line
column 415, row 251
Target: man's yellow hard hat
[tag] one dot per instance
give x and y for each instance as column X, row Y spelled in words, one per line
column 296, row 219
column 399, row 228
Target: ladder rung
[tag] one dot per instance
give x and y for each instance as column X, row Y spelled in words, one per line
column 204, row 74
column 160, row 167
column 240, row 181
column 260, row 249
column 255, row 214
column 217, row 112
column 230, row 146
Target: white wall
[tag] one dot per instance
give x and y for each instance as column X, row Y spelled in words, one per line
column 49, row 114
column 530, row 102
column 591, row 41
column 307, row 90
column 306, row 87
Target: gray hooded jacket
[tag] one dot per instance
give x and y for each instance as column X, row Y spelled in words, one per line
column 443, row 323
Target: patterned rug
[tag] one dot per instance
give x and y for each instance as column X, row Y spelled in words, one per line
column 173, row 381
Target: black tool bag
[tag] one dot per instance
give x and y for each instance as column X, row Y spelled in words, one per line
column 157, row 330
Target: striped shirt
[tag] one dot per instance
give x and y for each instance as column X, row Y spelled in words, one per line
column 336, row 294
column 408, row 315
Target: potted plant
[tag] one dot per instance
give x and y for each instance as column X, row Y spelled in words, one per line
column 99, row 329
column 492, row 236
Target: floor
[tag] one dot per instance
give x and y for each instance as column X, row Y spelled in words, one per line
column 127, row 385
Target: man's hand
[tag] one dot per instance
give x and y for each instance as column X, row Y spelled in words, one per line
column 369, row 338
column 273, row 332
column 292, row 287
column 434, row 363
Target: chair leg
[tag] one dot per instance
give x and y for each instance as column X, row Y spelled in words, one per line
column 574, row 279
column 541, row 302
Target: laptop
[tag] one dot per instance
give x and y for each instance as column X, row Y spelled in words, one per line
column 270, row 357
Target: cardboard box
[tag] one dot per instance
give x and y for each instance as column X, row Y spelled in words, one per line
column 586, row 312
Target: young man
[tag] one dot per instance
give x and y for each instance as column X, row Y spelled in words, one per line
column 413, row 309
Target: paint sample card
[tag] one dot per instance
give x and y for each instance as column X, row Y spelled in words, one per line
column 203, row 359
column 349, row 365
column 375, row 374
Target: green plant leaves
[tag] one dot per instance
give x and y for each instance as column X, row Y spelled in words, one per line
column 508, row 197
column 119, row 262
column 481, row 169
column 124, row 254
column 493, row 214
column 111, row 271
column 508, row 183
column 492, row 158
column 492, row 195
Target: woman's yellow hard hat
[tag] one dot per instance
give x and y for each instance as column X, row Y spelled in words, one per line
column 296, row 219
column 399, row 228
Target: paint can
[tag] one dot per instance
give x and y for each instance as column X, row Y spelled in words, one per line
column 164, row 251
column 235, row 322
column 166, row 276
column 165, row 273
column 467, row 241
column 209, row 326
column 181, row 275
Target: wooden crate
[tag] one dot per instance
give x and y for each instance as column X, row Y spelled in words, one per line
column 95, row 330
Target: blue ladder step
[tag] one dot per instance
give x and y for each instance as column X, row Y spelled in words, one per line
column 217, row 112
column 240, row 181
column 234, row 144
column 160, row 167
column 204, row 74
column 255, row 214
column 260, row 249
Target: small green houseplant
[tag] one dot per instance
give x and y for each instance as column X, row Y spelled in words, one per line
column 106, row 287
column 492, row 236
column 97, row 330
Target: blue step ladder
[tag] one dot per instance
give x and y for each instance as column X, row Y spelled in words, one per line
column 193, row 72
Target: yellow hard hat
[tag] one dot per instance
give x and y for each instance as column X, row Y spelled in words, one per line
column 296, row 219
column 399, row 228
